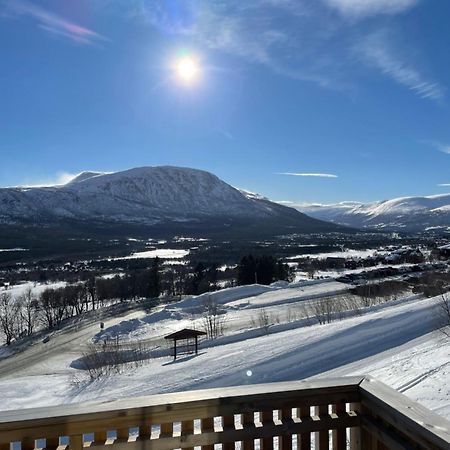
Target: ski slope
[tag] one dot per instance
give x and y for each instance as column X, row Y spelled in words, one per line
column 394, row 342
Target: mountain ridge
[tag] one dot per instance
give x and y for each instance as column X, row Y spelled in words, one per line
column 148, row 196
column 415, row 213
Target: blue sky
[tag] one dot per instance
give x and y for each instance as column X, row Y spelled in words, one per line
column 300, row 100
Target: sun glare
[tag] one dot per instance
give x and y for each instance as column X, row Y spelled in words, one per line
column 187, row 69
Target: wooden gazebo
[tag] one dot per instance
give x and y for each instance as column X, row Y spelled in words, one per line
column 191, row 341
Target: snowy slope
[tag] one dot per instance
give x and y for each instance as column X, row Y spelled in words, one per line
column 394, row 342
column 406, row 213
column 146, row 195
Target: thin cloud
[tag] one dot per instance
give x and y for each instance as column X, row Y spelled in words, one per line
column 376, row 51
column 320, row 175
column 364, row 8
column 226, row 134
column 52, row 23
column 298, row 39
column 59, row 179
column 444, row 148
column 444, row 184
column 253, row 31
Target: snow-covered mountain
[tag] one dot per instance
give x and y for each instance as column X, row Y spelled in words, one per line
column 148, row 196
column 406, row 213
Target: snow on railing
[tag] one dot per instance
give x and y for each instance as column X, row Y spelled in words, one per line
column 355, row 412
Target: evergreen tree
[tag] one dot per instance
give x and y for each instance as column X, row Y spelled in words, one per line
column 155, row 279
column 262, row 270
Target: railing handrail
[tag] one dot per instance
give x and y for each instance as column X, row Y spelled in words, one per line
column 358, row 401
column 178, row 406
column 416, row 421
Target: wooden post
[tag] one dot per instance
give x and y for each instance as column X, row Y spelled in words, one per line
column 187, row 428
column 196, row 345
column 339, row 435
column 285, row 441
column 228, row 423
column 322, row 437
column 207, row 425
column 305, row 438
column 368, row 442
column 174, row 349
column 355, row 433
column 267, row 419
column 248, row 421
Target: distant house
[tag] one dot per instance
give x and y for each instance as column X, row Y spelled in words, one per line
column 444, row 251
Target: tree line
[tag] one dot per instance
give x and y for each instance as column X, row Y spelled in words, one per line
column 22, row 315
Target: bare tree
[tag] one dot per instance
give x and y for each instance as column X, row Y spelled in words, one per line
column 264, row 321
column 323, row 310
column 444, row 314
column 213, row 318
column 9, row 317
column 28, row 305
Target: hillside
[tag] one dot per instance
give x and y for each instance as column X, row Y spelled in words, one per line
column 393, row 341
column 400, row 214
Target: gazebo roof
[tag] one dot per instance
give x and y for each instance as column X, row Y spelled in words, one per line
column 186, row 333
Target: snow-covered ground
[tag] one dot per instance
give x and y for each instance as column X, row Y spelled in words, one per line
column 36, row 288
column 345, row 253
column 164, row 253
column 394, row 342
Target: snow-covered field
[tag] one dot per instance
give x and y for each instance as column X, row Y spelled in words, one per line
column 165, row 253
column 36, row 288
column 394, row 342
column 345, row 253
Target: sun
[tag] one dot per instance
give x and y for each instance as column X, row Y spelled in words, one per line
column 187, row 69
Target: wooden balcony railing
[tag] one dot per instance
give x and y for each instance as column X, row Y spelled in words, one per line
column 355, row 413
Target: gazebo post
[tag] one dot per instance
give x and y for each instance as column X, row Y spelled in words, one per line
column 185, row 335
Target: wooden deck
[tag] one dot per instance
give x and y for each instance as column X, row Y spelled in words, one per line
column 357, row 413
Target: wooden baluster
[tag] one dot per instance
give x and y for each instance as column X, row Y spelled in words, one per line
column 305, row 438
column 187, row 429
column 123, row 434
column 339, row 435
column 145, row 432
column 166, row 430
column 267, row 419
column 27, row 444
column 207, row 425
column 228, row 423
column 100, row 437
column 248, row 420
column 76, row 442
column 51, row 443
column 355, row 432
column 285, row 441
column 322, row 437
